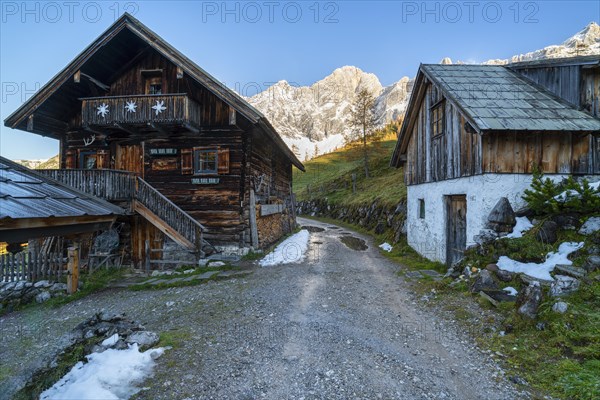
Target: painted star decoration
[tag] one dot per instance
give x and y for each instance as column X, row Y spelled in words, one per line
column 159, row 107
column 102, row 109
column 130, row 107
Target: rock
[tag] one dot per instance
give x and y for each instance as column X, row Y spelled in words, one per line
column 563, row 285
column 59, row 287
column 547, row 232
column 485, row 236
column 20, row 285
column 484, row 281
column 188, row 271
column 42, row 297
column 143, row 338
column 524, row 212
column 502, row 217
column 590, row 226
column 560, row 307
column 42, row 284
column 504, row 276
column 540, row 326
column 379, row 228
column 216, row 264
column 570, row 270
column 592, row 263
column 566, row 221
column 467, row 272
column 492, row 268
column 518, row 380
column 529, row 300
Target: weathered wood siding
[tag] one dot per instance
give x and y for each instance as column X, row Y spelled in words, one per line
column 518, row 152
column 455, row 153
column 461, row 152
column 576, row 84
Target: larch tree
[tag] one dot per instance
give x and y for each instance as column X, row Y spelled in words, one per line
column 363, row 120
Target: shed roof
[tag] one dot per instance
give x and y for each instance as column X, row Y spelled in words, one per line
column 496, row 98
column 26, row 194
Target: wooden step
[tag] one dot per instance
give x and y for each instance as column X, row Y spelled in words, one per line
column 162, row 226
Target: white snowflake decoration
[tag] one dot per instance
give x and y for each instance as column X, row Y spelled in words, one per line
column 159, row 107
column 102, row 109
column 130, row 107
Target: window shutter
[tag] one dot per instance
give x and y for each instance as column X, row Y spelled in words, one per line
column 223, row 161
column 187, row 162
column 102, row 159
column 70, row 159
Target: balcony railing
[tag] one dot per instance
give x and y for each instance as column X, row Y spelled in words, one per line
column 111, row 185
column 140, row 109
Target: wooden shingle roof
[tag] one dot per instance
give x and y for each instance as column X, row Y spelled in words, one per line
column 496, row 98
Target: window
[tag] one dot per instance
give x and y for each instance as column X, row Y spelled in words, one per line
column 88, row 160
column 206, row 161
column 154, row 85
column 422, row 208
column 437, row 119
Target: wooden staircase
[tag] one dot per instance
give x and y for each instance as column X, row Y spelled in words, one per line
column 118, row 186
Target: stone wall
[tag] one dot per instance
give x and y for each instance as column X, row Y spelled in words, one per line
column 22, row 292
column 373, row 216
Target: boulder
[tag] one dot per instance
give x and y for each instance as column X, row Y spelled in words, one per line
column 590, row 226
column 566, row 221
column 483, row 281
column 502, row 217
column 485, row 236
column 492, row 268
column 143, row 338
column 592, row 263
column 563, row 285
column 504, row 276
column 560, row 307
column 42, row 297
column 547, row 232
column 529, row 300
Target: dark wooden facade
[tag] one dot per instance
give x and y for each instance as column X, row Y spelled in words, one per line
column 190, row 141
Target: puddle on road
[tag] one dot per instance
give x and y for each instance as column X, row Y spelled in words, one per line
column 354, row 243
column 312, row 229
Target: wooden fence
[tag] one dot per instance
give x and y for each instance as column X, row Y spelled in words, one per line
column 32, row 266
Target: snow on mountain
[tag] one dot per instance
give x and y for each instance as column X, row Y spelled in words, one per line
column 315, row 117
column 583, row 43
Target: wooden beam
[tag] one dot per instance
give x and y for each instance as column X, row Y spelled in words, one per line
column 190, row 128
column 157, row 128
column 162, row 225
column 77, row 77
column 96, row 82
column 30, row 123
column 122, row 128
column 73, row 269
column 253, row 227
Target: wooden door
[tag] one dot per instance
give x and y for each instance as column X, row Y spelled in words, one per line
column 130, row 158
column 456, row 228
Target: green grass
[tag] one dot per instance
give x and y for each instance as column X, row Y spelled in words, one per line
column 330, row 176
column 174, row 338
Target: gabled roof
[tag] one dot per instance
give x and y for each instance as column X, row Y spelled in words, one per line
column 133, row 37
column 26, row 194
column 495, row 98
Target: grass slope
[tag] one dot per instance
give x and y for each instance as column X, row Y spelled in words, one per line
column 330, row 175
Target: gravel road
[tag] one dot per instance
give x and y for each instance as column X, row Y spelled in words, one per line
column 339, row 325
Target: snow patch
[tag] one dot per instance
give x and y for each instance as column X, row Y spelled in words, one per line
column 111, row 340
column 523, row 225
column 112, row 374
column 511, row 290
column 291, row 250
column 542, row 270
column 386, row 247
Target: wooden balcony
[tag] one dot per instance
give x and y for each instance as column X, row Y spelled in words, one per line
column 157, row 111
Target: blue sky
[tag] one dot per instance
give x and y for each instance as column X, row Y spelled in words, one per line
column 252, row 44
